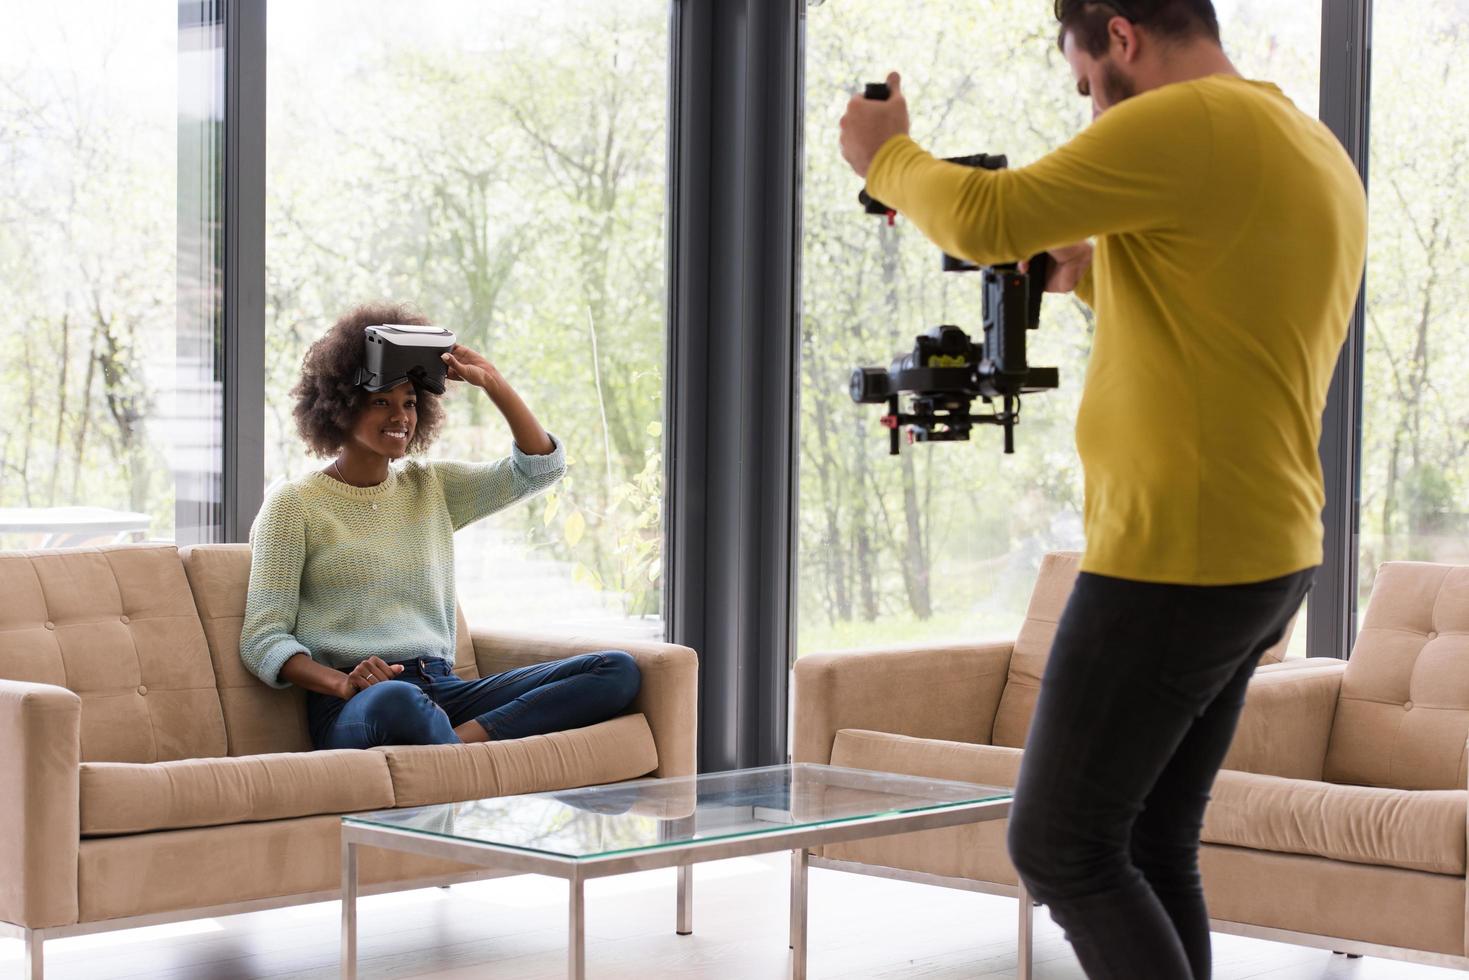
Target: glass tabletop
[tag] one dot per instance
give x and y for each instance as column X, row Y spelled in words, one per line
column 649, row 814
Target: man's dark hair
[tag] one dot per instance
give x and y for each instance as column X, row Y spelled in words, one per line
column 327, row 397
column 1086, row 20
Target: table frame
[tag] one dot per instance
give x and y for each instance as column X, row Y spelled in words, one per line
column 578, row 871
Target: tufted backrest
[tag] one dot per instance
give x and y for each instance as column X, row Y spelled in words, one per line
column 257, row 717
column 1053, row 587
column 1403, row 716
column 118, row 626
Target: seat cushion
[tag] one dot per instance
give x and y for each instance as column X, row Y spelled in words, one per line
column 1299, row 893
column 610, row 752
column 975, row 851
column 118, row 626
column 124, row 798
column 213, row 867
column 1420, row 830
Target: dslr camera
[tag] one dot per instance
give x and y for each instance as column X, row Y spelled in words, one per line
column 946, row 370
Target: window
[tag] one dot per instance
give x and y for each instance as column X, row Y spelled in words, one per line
column 943, row 542
column 1415, row 417
column 1281, row 43
column 110, row 124
column 501, row 167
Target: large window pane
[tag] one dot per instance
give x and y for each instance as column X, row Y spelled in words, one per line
column 110, row 120
column 1415, row 444
column 943, row 542
column 500, row 166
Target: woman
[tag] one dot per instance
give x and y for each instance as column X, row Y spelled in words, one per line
column 352, row 575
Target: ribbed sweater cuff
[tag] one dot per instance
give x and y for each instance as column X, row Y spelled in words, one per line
column 552, row 462
column 268, row 668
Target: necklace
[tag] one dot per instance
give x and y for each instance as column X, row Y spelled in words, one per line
column 337, row 468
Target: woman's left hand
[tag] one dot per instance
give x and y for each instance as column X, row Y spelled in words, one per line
column 471, row 366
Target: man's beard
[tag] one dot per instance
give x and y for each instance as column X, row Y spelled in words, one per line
column 1116, row 86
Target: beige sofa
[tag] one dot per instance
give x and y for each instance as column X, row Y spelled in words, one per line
column 146, row 776
column 1339, row 821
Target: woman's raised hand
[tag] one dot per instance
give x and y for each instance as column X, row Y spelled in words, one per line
column 373, row 670
column 473, row 367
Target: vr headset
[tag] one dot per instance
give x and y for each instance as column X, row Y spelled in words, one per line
column 399, row 352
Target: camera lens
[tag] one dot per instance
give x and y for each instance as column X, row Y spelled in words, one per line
column 869, row 385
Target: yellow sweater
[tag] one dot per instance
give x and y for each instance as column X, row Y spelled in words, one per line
column 1231, row 235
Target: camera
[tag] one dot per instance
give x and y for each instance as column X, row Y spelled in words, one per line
column 946, row 370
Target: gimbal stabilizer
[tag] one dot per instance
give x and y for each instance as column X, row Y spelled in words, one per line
column 946, row 370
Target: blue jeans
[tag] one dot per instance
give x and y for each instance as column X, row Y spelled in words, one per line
column 427, row 702
column 1141, row 695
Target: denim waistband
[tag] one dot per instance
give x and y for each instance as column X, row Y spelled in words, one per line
column 427, row 666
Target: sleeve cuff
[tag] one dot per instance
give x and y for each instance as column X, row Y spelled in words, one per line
column 879, row 179
column 269, row 668
column 552, row 462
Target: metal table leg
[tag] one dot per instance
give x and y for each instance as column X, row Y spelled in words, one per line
column 800, row 865
column 576, row 955
column 1026, row 936
column 685, row 899
column 35, row 963
column 349, row 910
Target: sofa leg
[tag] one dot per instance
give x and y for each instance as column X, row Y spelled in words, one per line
column 35, row 966
column 1025, row 939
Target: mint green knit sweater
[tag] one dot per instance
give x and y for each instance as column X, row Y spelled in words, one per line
column 342, row 573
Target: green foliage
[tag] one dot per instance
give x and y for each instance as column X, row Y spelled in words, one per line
column 508, row 174
column 515, row 192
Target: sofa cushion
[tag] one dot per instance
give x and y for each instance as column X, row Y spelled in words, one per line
column 988, row 765
column 609, row 752
column 210, row 867
column 976, row 851
column 1417, row 830
column 122, row 798
column 258, row 718
column 1404, row 713
column 1300, row 893
column 118, row 626
column 1053, row 585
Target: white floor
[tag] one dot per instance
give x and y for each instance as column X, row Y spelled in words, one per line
column 515, row 929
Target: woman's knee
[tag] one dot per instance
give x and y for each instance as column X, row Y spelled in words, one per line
column 401, row 711
column 623, row 676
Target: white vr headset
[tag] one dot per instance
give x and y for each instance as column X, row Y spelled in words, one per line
column 399, row 352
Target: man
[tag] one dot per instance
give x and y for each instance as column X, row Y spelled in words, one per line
column 1230, row 240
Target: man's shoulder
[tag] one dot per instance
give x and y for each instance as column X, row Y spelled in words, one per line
column 1162, row 115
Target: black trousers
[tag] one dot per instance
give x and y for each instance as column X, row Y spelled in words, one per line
column 1141, row 695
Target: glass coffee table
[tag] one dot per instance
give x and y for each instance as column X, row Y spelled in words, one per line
column 598, row 831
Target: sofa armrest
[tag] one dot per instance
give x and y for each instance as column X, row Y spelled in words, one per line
column 944, row 692
column 1286, row 725
column 668, row 697
column 40, row 809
